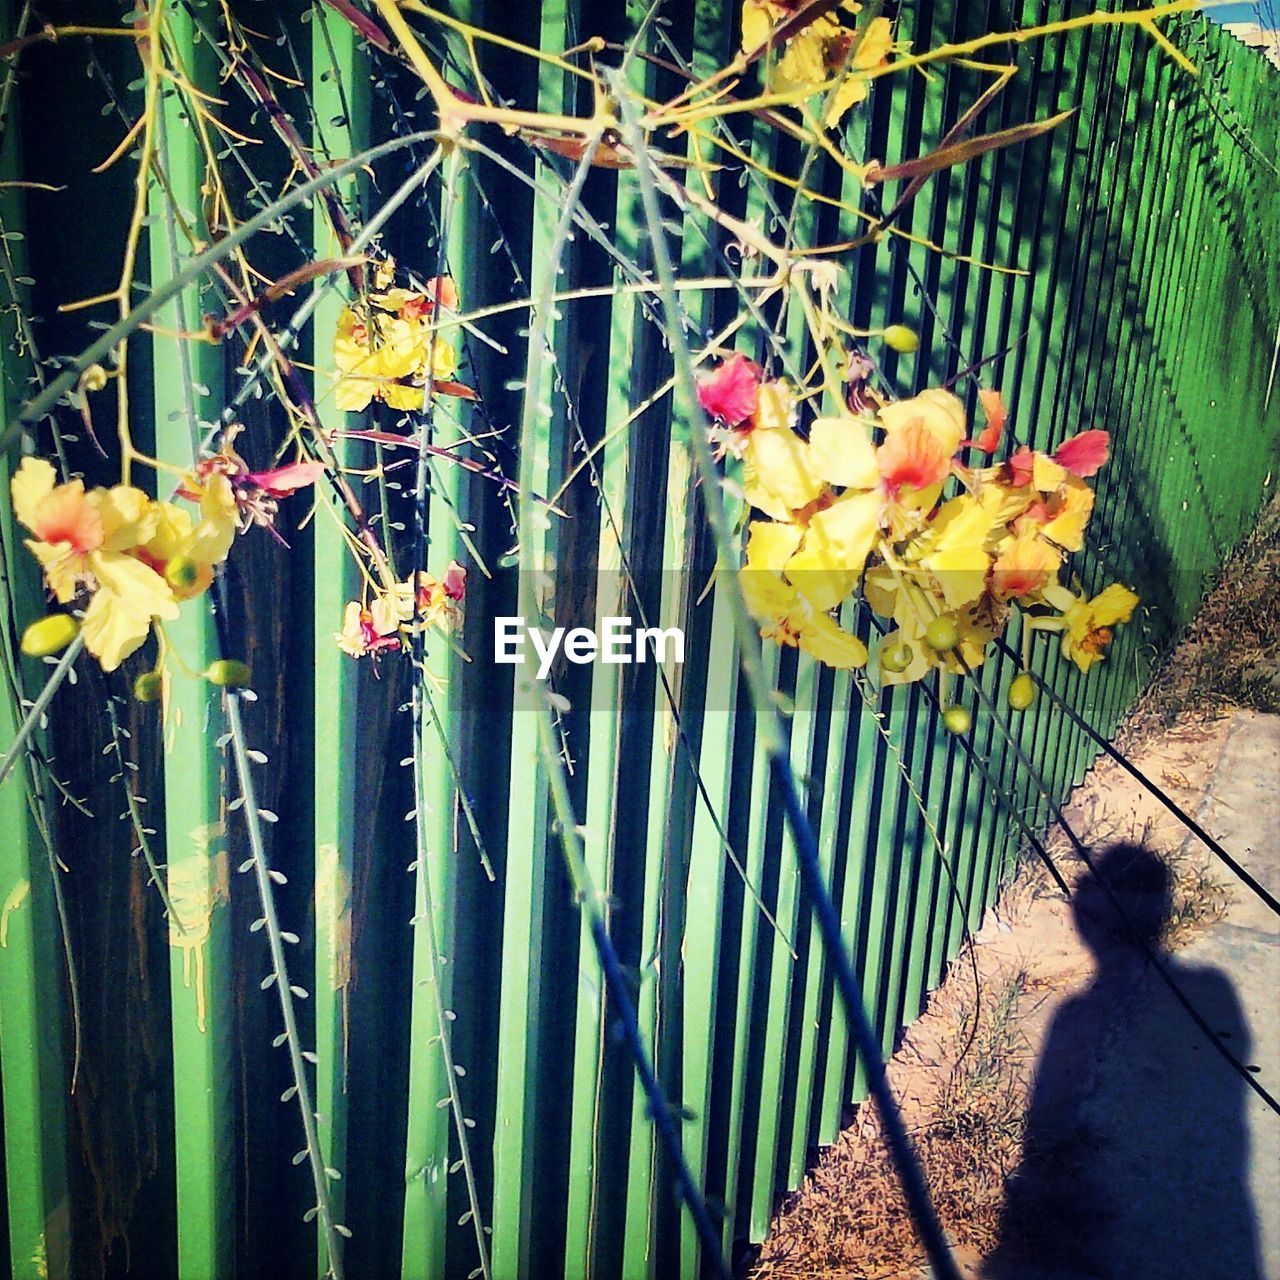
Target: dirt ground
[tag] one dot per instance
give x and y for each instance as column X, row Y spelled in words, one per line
column 964, row 1072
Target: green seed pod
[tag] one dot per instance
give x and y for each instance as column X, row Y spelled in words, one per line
column 896, row 657
column 48, row 635
column 181, row 573
column 230, row 673
column 1022, row 692
column 900, row 338
column 941, row 634
column 148, row 687
column 957, row 720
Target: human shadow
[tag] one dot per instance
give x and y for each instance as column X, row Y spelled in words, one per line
column 1135, row 1153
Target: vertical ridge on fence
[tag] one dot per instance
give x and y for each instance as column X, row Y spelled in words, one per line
column 186, row 393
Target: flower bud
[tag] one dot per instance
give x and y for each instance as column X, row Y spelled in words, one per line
column 941, row 634
column 48, row 635
column 1022, row 692
column 181, row 573
column 230, row 673
column 148, row 686
column 896, row 657
column 900, row 338
column 94, row 378
column 957, row 720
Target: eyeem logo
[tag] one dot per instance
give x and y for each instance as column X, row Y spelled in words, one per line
column 616, row 643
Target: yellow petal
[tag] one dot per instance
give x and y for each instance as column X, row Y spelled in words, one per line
column 876, row 45
column 803, row 64
column 775, row 406
column 386, row 615
column 1068, row 526
column 112, row 630
column 444, row 361
column 31, row 484
column 842, row 536
column 828, row 642
column 129, row 596
column 961, row 573
column 1025, row 565
column 352, row 395
column 138, row 586
column 756, row 25
column 962, row 522
column 779, row 476
column 217, row 529
column 842, row 453
column 63, row 567
column 402, row 396
column 767, row 596
column 1059, row 597
column 173, row 534
column 128, row 517
column 881, row 589
column 818, row 585
column 770, row 545
column 351, row 638
column 1115, row 604
column 1005, row 504
column 1046, row 475
column 852, row 90
column 400, row 347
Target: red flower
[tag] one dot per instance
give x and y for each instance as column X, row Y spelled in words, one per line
column 730, row 393
column 1084, row 455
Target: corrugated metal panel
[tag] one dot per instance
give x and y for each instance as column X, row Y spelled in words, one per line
column 1142, row 233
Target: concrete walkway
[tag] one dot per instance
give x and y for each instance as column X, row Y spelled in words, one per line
column 1242, row 809
column 1167, row 1166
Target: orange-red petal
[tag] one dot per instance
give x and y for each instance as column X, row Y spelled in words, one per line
column 1085, row 454
column 913, row 457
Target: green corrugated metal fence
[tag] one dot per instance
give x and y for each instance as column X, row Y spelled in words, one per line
column 1137, row 291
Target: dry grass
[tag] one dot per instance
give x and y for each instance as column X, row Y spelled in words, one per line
column 849, row 1222
column 1198, row 899
column 1230, row 657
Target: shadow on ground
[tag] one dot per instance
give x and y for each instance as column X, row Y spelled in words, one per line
column 1136, row 1150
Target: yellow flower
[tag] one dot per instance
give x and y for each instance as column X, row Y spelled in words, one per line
column 937, row 411
column 817, row 53
column 876, row 46
column 822, row 540
column 386, row 357
column 85, row 540
column 1087, row 625
column 369, row 631
column 179, row 537
column 785, row 474
column 787, row 618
